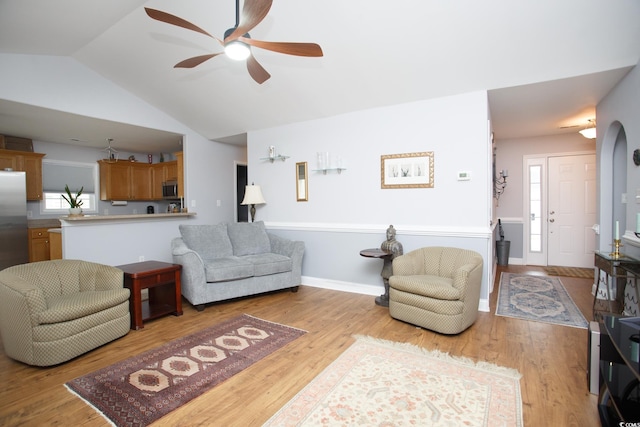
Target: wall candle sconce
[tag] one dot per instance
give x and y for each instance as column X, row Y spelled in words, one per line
column 330, row 162
column 273, row 156
column 499, row 183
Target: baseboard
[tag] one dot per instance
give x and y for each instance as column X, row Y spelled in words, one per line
column 361, row 288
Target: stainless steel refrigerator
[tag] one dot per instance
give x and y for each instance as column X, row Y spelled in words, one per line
column 14, row 238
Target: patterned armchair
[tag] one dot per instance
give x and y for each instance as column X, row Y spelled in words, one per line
column 437, row 288
column 53, row 311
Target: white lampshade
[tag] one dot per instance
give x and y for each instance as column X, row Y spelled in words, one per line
column 253, row 195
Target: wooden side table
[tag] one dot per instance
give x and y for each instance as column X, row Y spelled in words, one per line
column 162, row 279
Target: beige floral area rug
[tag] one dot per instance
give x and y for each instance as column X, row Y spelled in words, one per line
column 382, row 383
column 143, row 388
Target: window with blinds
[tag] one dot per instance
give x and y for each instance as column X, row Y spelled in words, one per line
column 58, row 173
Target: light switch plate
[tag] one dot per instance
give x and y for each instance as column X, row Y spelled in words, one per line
column 464, row 176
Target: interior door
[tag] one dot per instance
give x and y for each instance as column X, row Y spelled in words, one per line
column 571, row 210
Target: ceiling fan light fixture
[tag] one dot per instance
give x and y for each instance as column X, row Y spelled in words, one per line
column 590, row 131
column 237, row 50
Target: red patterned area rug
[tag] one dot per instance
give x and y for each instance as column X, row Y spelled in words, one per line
column 141, row 389
column 383, row 383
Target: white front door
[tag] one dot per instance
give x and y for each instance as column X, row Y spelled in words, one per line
column 571, row 210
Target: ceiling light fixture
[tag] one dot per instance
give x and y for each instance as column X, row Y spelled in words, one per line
column 235, row 49
column 589, row 132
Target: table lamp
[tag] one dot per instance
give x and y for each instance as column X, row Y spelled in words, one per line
column 253, row 197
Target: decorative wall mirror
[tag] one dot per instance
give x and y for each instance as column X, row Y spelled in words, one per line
column 302, row 187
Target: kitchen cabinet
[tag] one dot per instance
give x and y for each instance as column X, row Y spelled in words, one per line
column 140, row 181
column 126, row 180
column 162, row 172
column 180, row 173
column 115, row 180
column 55, row 243
column 39, row 244
column 28, row 162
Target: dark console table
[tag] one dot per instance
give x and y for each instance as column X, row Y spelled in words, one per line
column 619, row 399
column 616, row 269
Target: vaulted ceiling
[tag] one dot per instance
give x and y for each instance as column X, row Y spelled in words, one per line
column 545, row 63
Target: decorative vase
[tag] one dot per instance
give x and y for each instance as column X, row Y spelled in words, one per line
column 75, row 211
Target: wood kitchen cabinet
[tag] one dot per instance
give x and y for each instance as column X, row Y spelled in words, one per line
column 28, row 162
column 115, row 180
column 126, row 180
column 140, row 181
column 162, row 172
column 180, row 173
column 39, row 244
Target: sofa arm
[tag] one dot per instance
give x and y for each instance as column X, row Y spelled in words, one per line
column 193, row 277
column 294, row 249
column 21, row 299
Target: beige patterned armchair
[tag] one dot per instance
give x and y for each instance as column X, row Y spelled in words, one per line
column 437, row 288
column 53, row 311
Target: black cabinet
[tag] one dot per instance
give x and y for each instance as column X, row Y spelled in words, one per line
column 619, row 399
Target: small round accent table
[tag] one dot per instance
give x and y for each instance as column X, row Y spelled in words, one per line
column 387, row 270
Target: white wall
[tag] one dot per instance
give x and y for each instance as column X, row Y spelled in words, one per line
column 509, row 155
column 61, row 83
column 349, row 212
column 620, row 108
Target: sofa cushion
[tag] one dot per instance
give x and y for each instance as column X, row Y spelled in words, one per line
column 209, row 241
column 249, row 238
column 68, row 307
column 230, row 268
column 265, row 264
column 427, row 286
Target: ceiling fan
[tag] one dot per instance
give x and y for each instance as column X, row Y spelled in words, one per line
column 237, row 42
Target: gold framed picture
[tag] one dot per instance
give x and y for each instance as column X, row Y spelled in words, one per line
column 302, row 182
column 409, row 170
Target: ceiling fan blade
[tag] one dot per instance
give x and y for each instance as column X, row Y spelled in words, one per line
column 259, row 74
column 168, row 18
column 195, row 61
column 253, row 12
column 298, row 49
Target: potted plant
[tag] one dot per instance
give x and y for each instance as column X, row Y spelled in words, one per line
column 75, row 202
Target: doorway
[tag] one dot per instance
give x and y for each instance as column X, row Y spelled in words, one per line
column 561, row 207
column 242, row 211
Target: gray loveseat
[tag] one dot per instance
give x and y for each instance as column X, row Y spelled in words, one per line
column 225, row 261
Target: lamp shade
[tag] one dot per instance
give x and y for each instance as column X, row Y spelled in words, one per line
column 253, row 195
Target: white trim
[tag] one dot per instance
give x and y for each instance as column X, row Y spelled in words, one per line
column 360, row 288
column 414, row 230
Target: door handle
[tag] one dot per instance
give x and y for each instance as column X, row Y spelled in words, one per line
column 552, row 212
column 552, row 220
column 533, row 217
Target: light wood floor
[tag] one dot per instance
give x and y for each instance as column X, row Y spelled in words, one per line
column 552, row 360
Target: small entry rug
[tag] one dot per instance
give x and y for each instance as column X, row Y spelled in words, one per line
column 538, row 298
column 383, row 383
column 583, row 273
column 141, row 389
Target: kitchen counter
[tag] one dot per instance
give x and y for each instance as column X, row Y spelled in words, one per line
column 43, row 223
column 144, row 217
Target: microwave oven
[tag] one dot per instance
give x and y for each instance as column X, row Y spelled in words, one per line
column 170, row 190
